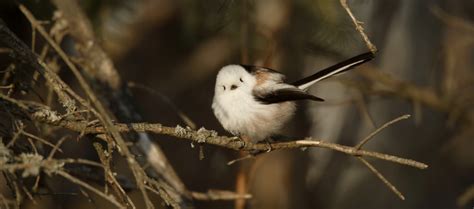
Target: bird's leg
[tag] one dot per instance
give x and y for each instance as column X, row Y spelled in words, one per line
column 241, row 139
column 268, row 141
column 236, row 138
column 258, row 152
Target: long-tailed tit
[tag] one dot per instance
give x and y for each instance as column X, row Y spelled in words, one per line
column 255, row 102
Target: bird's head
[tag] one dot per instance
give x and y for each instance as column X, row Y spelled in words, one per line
column 234, row 80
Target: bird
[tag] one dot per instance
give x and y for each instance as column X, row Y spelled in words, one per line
column 254, row 103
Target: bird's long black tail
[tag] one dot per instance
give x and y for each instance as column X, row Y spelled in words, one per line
column 341, row 67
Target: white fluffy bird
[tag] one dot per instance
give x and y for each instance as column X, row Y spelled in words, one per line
column 255, row 102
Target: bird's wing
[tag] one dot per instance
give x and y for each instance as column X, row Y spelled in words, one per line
column 282, row 95
column 341, row 67
column 264, row 73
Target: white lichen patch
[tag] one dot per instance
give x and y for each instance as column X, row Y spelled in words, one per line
column 4, row 153
column 32, row 164
column 180, row 131
column 48, row 115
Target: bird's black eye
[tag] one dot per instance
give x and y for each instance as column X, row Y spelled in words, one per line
column 223, row 87
column 241, row 80
column 233, row 87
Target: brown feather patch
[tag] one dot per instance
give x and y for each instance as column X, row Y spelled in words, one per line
column 261, row 77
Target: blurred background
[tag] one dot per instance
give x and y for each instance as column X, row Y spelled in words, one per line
column 177, row 47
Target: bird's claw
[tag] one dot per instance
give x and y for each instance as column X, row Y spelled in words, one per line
column 269, row 144
column 238, row 139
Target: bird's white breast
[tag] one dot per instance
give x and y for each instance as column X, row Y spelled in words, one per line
column 241, row 114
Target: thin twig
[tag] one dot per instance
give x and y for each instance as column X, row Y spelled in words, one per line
column 387, row 124
column 6, row 202
column 44, row 141
column 218, row 195
column 104, row 157
column 28, row 194
column 358, row 27
column 15, row 136
column 56, row 147
column 32, row 144
column 18, row 195
column 382, row 178
column 81, row 161
column 362, row 106
column 36, row 184
column 183, row 116
column 77, row 181
column 240, row 159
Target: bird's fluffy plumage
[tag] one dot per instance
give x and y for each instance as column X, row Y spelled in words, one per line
column 255, row 102
column 240, row 113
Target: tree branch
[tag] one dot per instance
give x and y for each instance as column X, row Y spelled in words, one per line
column 358, row 27
column 203, row 136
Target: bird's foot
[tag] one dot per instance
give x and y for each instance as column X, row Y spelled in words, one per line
column 269, row 145
column 240, row 140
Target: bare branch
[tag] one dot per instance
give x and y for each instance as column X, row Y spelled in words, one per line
column 56, row 147
column 44, row 141
column 358, row 27
column 382, row 178
column 77, row 181
column 218, row 195
column 183, row 116
column 204, row 136
column 105, row 157
column 210, row 137
column 367, row 138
